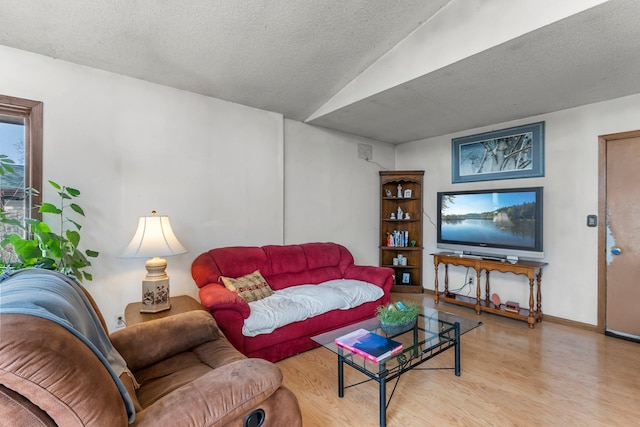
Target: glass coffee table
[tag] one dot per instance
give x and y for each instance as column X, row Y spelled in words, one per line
column 435, row 332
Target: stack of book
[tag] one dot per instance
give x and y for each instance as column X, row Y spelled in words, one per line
column 370, row 345
column 511, row 306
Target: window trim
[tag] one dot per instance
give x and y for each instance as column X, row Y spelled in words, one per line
column 31, row 111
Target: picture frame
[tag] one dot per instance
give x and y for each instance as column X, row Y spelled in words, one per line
column 407, row 193
column 406, row 278
column 516, row 152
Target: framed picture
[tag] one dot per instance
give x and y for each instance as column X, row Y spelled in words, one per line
column 406, row 278
column 407, row 194
column 516, row 152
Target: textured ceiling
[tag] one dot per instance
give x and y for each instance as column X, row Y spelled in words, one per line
column 589, row 57
column 292, row 57
column 280, row 55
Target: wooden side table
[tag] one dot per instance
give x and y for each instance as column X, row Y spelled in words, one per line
column 179, row 304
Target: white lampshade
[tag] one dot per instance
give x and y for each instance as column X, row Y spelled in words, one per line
column 154, row 238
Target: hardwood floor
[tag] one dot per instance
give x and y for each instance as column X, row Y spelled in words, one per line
column 553, row 375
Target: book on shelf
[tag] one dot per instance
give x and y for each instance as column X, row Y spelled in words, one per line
column 370, row 345
column 398, row 238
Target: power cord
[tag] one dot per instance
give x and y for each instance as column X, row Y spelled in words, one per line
column 466, row 284
column 375, row 163
column 429, row 218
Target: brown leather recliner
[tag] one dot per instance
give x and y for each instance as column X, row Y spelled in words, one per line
column 186, row 374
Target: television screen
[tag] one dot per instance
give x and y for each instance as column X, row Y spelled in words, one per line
column 497, row 222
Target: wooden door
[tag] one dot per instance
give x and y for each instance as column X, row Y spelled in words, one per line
column 620, row 250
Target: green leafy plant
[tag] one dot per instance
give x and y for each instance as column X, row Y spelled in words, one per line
column 6, row 164
column 44, row 248
column 397, row 313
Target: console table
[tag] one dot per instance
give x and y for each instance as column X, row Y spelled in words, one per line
column 531, row 269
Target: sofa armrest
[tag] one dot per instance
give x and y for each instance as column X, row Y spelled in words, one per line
column 217, row 397
column 216, row 297
column 379, row 276
column 146, row 343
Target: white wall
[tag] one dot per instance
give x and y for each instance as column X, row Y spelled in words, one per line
column 331, row 194
column 216, row 168
column 129, row 146
column 569, row 282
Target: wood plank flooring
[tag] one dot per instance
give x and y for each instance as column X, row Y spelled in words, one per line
column 553, row 375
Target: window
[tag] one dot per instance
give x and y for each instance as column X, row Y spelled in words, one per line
column 21, row 142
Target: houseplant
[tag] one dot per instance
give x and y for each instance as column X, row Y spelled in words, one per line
column 39, row 246
column 397, row 317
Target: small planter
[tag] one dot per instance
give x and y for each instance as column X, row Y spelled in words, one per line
column 398, row 317
column 399, row 328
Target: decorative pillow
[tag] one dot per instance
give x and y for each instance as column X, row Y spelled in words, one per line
column 251, row 287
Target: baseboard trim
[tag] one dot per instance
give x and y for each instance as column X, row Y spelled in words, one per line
column 552, row 319
column 572, row 323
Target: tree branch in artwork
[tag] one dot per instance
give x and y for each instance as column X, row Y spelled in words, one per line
column 499, row 154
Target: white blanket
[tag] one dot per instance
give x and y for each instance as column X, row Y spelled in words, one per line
column 303, row 301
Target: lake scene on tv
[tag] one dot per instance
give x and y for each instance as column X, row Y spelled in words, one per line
column 496, row 219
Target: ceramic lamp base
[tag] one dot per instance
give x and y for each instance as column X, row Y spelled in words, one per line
column 155, row 287
column 155, row 296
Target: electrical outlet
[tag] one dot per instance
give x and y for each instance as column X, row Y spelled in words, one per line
column 470, row 281
column 118, row 321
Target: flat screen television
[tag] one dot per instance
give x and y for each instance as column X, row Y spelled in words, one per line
column 496, row 223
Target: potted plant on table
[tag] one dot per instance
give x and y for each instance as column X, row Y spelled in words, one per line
column 397, row 317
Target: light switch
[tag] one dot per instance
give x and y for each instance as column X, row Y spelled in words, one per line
column 592, row 220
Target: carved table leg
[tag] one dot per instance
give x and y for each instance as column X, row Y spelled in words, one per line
column 539, row 296
column 487, row 289
column 435, row 294
column 478, row 293
column 446, row 279
column 531, row 319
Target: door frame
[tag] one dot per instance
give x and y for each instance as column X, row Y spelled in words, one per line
column 602, row 223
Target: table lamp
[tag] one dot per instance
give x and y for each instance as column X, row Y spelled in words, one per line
column 154, row 238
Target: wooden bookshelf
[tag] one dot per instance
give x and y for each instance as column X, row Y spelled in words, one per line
column 408, row 244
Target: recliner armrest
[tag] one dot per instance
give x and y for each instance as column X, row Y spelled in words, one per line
column 217, row 397
column 146, row 343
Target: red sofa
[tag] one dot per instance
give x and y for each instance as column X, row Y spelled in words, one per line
column 282, row 267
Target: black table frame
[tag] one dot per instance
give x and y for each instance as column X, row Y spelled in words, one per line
column 420, row 352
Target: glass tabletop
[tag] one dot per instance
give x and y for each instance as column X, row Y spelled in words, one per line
column 433, row 329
